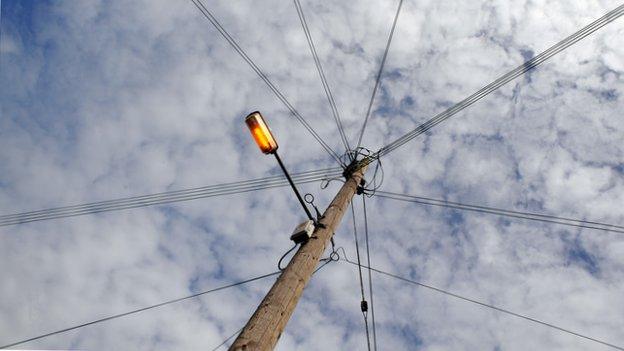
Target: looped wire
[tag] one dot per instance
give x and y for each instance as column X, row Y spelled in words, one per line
column 344, row 253
column 378, row 174
column 325, row 182
column 309, row 198
column 279, row 263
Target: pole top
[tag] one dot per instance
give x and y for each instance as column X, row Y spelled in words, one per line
column 355, row 166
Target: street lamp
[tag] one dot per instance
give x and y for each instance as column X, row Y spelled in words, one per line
column 268, row 145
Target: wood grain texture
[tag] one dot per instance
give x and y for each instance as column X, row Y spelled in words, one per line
column 266, row 325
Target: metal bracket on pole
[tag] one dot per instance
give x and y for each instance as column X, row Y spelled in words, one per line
column 352, row 167
column 309, row 199
column 292, row 185
column 360, row 189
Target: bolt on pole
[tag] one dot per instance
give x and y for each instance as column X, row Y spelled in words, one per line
column 266, row 325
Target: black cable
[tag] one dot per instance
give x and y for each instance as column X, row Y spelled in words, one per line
column 370, row 276
column 279, row 263
column 210, row 17
column 376, row 180
column 378, row 79
column 176, row 192
column 191, row 191
column 377, row 183
column 363, row 303
column 501, row 212
column 499, row 309
column 325, row 262
column 138, row 204
column 506, row 78
column 138, row 310
column 228, row 339
column 319, row 68
column 165, row 197
column 325, row 182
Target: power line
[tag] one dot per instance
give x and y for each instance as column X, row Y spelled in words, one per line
column 212, row 19
column 502, row 212
column 499, row 309
column 161, row 198
column 506, row 78
column 319, row 68
column 138, row 310
column 178, row 192
column 325, row 261
column 228, row 339
column 370, row 276
column 363, row 303
column 378, row 79
column 166, row 197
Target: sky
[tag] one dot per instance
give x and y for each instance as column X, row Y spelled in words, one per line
column 108, row 99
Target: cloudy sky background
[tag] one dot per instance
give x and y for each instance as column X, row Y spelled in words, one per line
column 108, row 99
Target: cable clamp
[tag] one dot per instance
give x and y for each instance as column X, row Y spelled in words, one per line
column 352, row 167
column 364, row 305
column 360, row 188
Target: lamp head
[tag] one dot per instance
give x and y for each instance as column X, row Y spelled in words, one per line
column 261, row 133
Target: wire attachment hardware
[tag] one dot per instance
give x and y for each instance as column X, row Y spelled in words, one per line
column 309, row 199
column 351, row 168
column 364, row 306
column 360, row 189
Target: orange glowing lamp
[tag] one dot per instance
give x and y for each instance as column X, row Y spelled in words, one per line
column 267, row 144
column 261, row 133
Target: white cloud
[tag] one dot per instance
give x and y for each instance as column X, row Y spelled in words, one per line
column 112, row 99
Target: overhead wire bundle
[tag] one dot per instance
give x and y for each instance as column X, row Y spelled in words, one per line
column 504, row 79
column 378, row 79
column 370, row 276
column 212, row 19
column 325, row 261
column 319, row 68
column 363, row 302
column 481, row 303
column 502, row 212
column 168, row 197
column 138, row 310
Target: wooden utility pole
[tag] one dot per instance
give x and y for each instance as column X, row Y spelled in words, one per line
column 266, row 325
